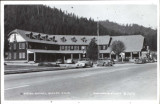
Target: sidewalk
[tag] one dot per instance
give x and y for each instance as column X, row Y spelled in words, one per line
column 22, row 64
column 28, row 69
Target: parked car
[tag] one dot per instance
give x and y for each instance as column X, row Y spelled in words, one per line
column 69, row 61
column 84, row 62
column 140, row 61
column 104, row 62
column 59, row 61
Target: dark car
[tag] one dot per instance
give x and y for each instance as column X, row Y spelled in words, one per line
column 140, row 61
column 104, row 62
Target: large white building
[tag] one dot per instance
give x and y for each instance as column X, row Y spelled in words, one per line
column 33, row 46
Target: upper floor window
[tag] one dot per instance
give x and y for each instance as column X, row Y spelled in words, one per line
column 99, row 47
column 68, row 48
column 10, row 47
column 83, row 47
column 42, row 37
column 84, row 39
column 94, row 39
column 72, row 48
column 74, row 39
column 62, row 48
column 105, row 47
column 63, row 39
column 21, row 45
column 76, row 47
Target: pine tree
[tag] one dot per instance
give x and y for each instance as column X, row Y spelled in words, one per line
column 92, row 50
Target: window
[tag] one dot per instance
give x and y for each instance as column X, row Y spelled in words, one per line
column 14, row 46
column 9, row 55
column 63, row 39
column 84, row 39
column 68, row 48
column 21, row 45
column 100, row 47
column 10, row 46
column 76, row 47
column 74, row 39
column 83, row 47
column 6, row 54
column 14, row 55
column 72, row 48
column 65, row 47
column 62, row 47
column 21, row 55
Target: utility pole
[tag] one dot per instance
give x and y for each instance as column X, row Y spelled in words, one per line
column 98, row 35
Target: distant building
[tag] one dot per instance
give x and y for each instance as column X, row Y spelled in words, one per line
column 32, row 46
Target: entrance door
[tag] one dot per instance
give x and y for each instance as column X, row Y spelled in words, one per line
column 31, row 56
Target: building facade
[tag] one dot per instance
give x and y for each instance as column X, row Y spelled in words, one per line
column 32, row 46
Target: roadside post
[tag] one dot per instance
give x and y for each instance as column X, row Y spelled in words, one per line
column 83, row 48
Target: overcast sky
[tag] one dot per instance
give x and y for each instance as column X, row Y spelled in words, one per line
column 145, row 15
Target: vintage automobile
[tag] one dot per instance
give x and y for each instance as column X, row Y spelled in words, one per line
column 140, row 61
column 84, row 62
column 104, row 62
column 69, row 61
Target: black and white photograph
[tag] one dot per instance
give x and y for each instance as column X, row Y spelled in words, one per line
column 79, row 50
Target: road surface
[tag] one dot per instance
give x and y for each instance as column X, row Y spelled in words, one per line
column 120, row 82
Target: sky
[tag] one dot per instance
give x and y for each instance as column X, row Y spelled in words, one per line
column 145, row 15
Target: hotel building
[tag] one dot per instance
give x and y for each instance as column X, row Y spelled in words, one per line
column 26, row 46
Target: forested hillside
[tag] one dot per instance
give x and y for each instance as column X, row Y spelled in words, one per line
column 43, row 19
column 133, row 29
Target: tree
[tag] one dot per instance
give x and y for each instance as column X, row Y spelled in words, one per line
column 117, row 47
column 92, row 50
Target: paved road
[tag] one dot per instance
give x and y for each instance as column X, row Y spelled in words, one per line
column 120, row 82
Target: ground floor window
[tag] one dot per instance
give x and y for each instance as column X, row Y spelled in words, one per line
column 14, row 55
column 9, row 55
column 21, row 55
